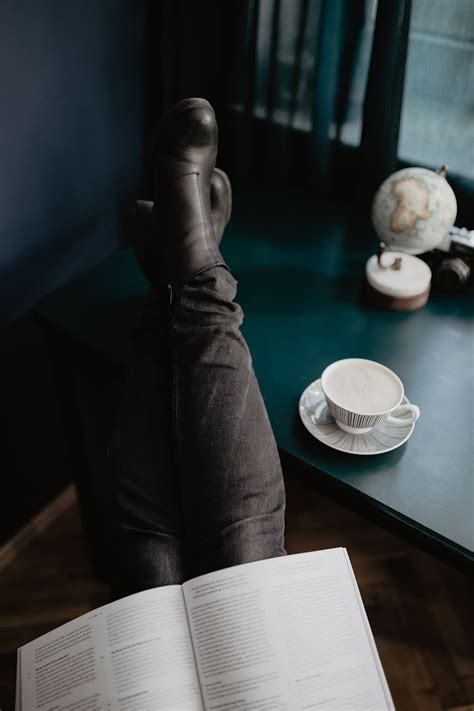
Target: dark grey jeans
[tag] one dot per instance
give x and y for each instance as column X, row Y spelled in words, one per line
column 197, row 482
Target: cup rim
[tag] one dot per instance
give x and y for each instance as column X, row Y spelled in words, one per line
column 331, row 367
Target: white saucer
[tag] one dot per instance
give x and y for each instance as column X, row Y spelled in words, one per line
column 382, row 438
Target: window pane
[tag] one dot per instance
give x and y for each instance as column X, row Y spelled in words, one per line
column 438, row 112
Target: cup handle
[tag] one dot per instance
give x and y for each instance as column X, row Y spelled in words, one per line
column 402, row 409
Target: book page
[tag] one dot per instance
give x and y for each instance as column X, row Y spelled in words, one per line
column 285, row 633
column 134, row 654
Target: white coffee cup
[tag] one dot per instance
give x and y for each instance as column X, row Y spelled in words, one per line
column 361, row 393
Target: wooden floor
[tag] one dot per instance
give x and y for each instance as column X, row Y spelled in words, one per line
column 421, row 611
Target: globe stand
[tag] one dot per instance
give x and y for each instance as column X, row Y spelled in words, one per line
column 397, row 281
column 413, row 210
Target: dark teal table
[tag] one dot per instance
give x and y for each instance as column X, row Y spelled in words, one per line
column 299, row 266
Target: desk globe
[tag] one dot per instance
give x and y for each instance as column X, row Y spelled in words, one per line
column 412, row 212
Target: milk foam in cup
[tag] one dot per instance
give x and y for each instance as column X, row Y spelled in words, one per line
column 361, row 393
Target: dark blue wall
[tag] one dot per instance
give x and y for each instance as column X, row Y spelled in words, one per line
column 71, row 120
column 71, row 123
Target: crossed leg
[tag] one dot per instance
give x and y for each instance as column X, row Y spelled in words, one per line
column 197, row 482
column 229, row 469
column 147, row 526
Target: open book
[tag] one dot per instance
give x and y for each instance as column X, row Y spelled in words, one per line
column 284, row 633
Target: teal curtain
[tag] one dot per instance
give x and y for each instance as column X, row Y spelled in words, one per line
column 278, row 73
column 384, row 94
column 313, row 92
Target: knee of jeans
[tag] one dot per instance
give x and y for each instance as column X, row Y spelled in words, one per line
column 140, row 562
column 246, row 541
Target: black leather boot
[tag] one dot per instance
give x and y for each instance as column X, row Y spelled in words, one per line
column 221, row 202
column 139, row 227
column 184, row 161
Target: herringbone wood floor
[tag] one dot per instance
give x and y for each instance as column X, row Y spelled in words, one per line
column 420, row 610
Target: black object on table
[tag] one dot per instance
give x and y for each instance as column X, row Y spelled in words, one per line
column 300, row 267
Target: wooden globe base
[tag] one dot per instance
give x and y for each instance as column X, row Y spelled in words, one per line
column 399, row 282
column 376, row 299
